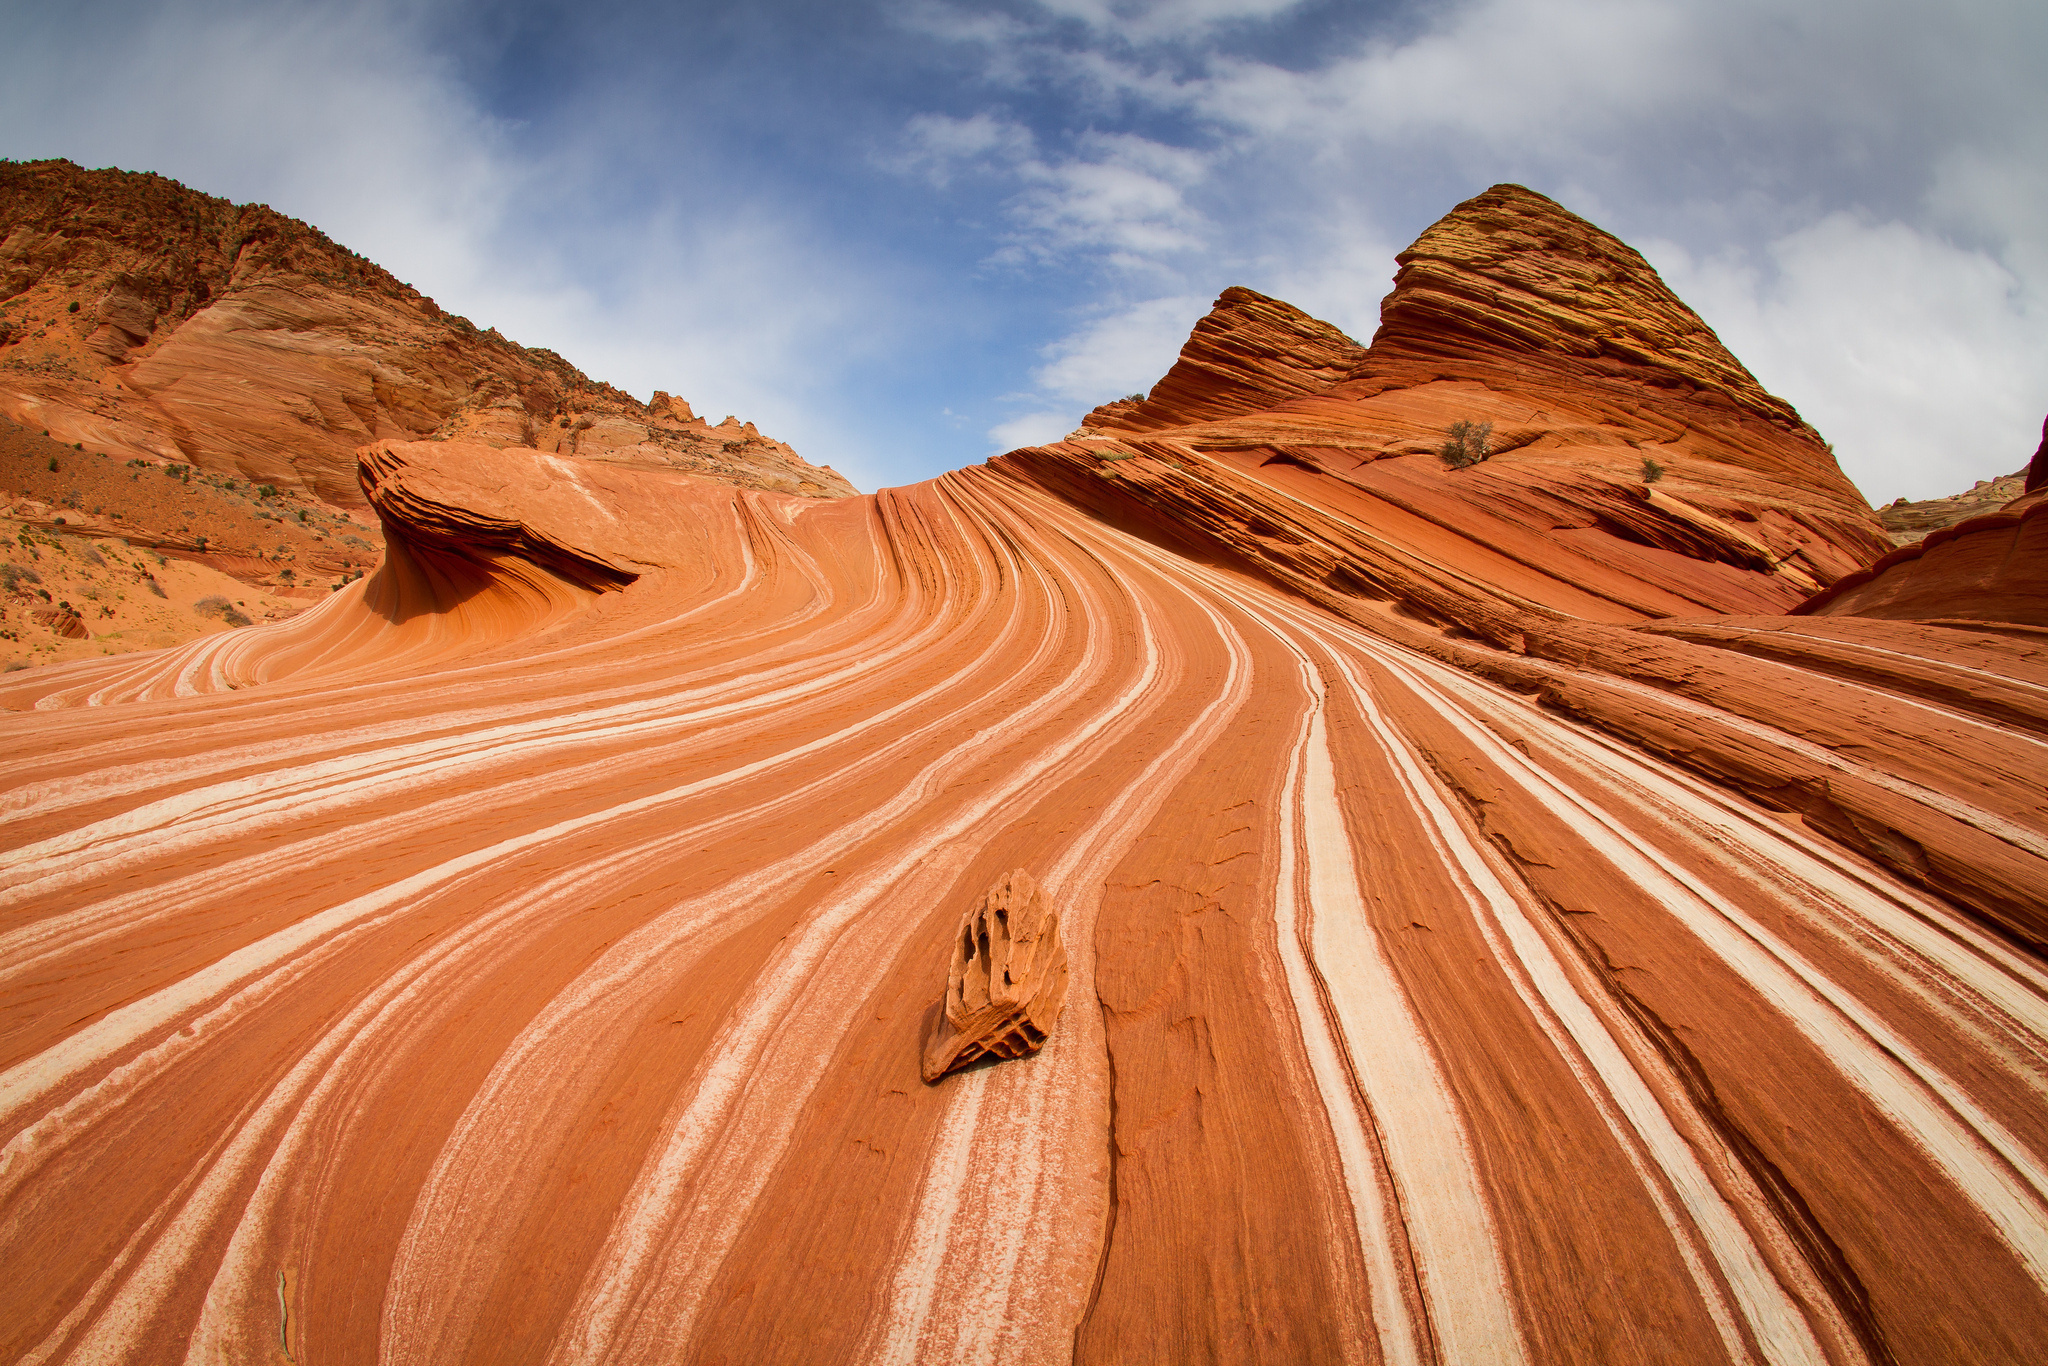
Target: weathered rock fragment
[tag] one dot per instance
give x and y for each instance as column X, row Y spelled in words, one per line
column 1007, row 981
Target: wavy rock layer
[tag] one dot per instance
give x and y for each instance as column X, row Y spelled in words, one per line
column 1474, row 954
column 148, row 321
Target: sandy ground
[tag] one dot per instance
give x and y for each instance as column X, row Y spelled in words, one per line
column 102, row 556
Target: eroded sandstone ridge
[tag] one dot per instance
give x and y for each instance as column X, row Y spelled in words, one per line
column 1498, row 928
column 145, row 320
column 1007, row 981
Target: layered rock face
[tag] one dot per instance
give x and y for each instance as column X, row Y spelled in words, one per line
column 144, row 320
column 1495, row 928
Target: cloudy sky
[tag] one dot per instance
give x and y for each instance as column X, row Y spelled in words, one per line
column 905, row 234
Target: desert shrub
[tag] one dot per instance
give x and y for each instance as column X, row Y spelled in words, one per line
column 53, row 464
column 1467, row 443
column 234, row 618
column 11, row 574
column 157, row 588
column 1134, row 398
column 1652, row 471
column 286, row 575
column 73, row 308
column 94, row 558
column 266, row 490
column 211, row 604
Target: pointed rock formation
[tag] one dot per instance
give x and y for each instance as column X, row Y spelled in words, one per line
column 1637, row 470
column 1250, row 352
column 1007, row 981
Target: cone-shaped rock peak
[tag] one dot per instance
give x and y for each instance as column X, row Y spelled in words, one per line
column 1249, row 353
column 1513, row 274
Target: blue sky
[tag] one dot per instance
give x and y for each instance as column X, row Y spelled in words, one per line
column 903, row 236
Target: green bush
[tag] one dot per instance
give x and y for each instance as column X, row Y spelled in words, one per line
column 1652, row 471
column 1467, row 444
column 53, row 464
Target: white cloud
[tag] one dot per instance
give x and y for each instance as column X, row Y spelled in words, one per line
column 1118, row 353
column 1922, row 361
column 940, row 147
column 1032, row 429
column 1123, row 196
column 1156, row 20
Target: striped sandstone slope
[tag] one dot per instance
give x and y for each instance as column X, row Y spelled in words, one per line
column 527, row 955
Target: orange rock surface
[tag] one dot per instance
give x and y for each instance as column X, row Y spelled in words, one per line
column 1007, row 983
column 144, row 320
column 1497, row 929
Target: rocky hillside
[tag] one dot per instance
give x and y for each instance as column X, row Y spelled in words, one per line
column 147, row 321
column 1551, row 894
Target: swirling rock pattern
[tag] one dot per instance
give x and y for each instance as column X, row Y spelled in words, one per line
column 1496, row 930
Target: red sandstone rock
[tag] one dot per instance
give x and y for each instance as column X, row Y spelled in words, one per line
column 245, row 342
column 61, row 621
column 1250, row 353
column 1989, row 568
column 1475, row 886
column 1007, row 981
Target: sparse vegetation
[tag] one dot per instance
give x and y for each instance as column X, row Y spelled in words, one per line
column 53, row 464
column 215, row 605
column 1467, row 444
column 1652, row 471
column 266, row 490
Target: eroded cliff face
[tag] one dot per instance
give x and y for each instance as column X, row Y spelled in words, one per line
column 144, row 320
column 1494, row 928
